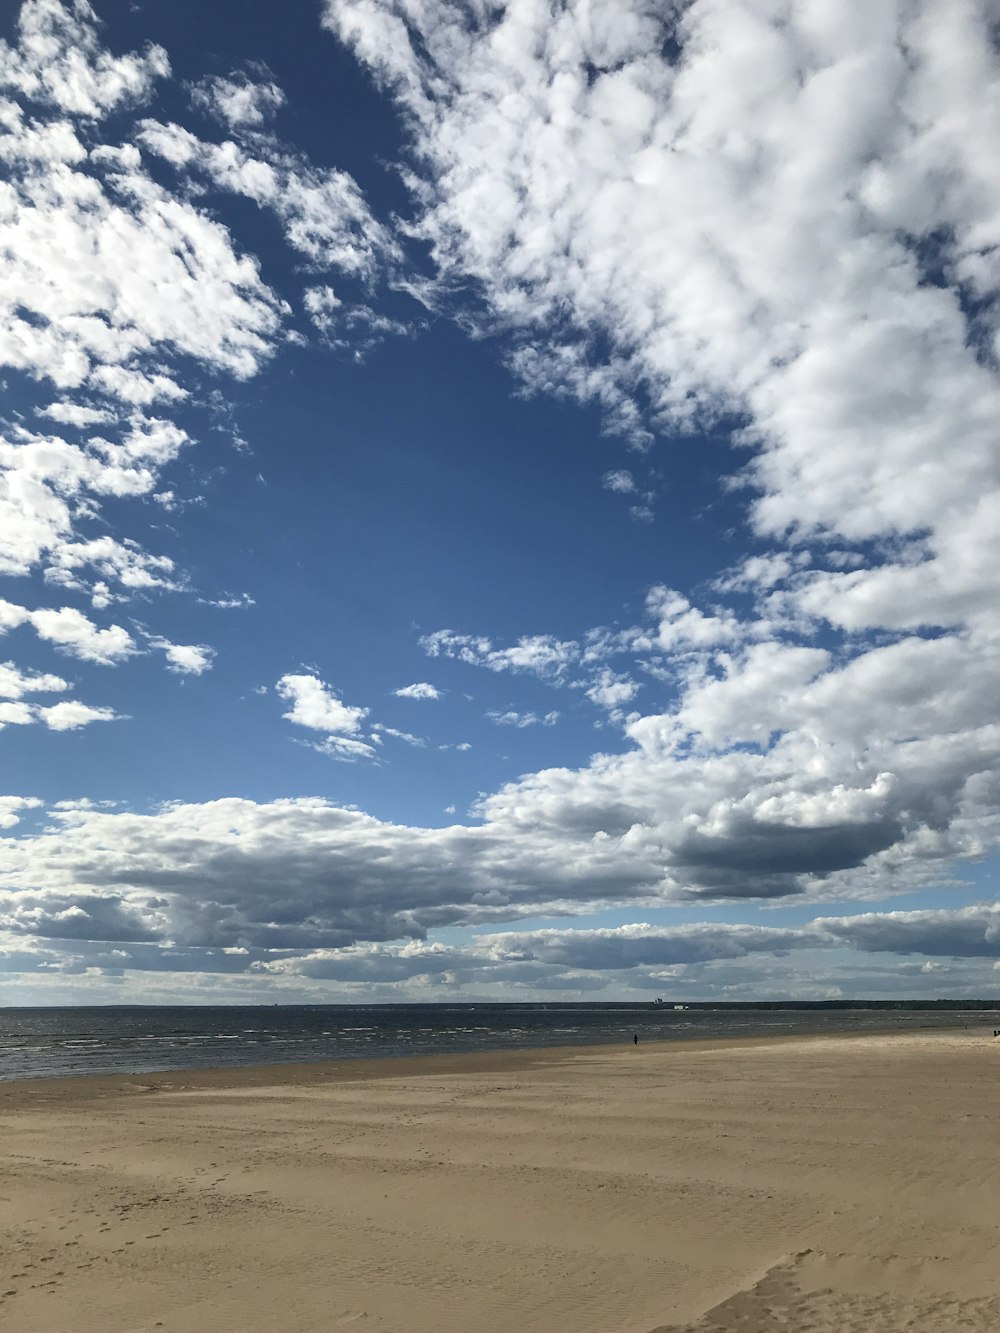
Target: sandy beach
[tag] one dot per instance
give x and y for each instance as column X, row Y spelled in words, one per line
column 813, row 1185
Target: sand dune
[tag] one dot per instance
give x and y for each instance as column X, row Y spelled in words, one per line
column 821, row 1185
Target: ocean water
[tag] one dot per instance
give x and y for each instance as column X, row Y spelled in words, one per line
column 36, row 1043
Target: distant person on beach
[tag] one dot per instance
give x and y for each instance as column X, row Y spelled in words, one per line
column 635, row 1038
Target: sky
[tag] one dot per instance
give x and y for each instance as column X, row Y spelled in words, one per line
column 499, row 501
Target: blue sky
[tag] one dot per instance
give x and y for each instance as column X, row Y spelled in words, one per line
column 497, row 502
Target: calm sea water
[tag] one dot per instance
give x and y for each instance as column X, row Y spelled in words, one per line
column 37, row 1043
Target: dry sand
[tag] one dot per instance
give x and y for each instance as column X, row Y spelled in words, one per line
column 835, row 1184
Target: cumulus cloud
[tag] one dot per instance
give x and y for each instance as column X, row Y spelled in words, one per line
column 15, row 683
column 315, row 705
column 76, row 414
column 16, row 714
column 187, row 659
column 612, row 690
column 12, row 806
column 70, row 715
column 72, row 632
column 67, row 715
column 420, row 689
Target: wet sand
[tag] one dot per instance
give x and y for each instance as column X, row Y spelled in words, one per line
column 808, row 1184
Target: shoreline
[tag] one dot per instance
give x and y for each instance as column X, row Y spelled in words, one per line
column 320, row 1073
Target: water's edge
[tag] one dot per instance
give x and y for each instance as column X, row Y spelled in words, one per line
column 67, row 1043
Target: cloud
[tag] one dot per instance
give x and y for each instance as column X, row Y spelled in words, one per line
column 16, row 715
column 418, row 690
column 511, row 718
column 703, row 215
column 117, row 287
column 59, row 63
column 239, row 101
column 316, row 706
column 15, row 683
column 323, row 212
column 690, row 216
column 641, row 945
column 620, row 481
column 114, row 286
column 69, row 715
column 76, row 414
column 610, row 690
column 539, row 654
column 965, row 932
column 72, row 632
column 356, row 327
column 379, row 730
column 189, row 659
column 12, row 806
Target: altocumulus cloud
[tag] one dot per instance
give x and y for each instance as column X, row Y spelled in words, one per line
column 788, row 217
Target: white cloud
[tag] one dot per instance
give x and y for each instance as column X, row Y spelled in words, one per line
column 12, row 806
column 322, row 305
column 611, row 690
column 15, row 683
column 239, row 102
column 418, row 690
column 683, row 626
column 69, row 715
column 189, row 659
column 620, row 481
column 344, row 748
column 539, row 654
column 322, row 210
column 789, row 218
column 77, row 414
column 160, row 279
column 379, row 730
column 316, row 706
column 512, row 718
column 59, row 63
column 72, row 632
column 16, row 714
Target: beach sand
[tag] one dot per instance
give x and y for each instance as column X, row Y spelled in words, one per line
column 826, row 1185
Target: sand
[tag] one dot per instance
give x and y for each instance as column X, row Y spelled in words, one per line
column 808, row 1185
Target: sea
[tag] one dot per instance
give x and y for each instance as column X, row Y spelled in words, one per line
column 55, row 1042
